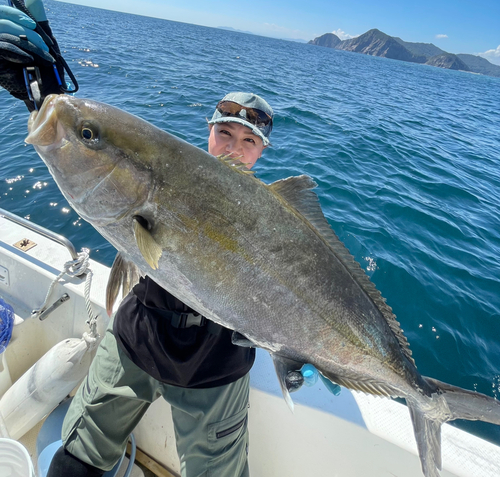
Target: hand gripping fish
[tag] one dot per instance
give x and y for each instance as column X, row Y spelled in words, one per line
column 259, row 259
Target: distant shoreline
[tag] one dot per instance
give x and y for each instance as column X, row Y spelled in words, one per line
column 377, row 43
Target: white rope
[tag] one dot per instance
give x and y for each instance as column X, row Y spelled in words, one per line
column 75, row 268
column 91, row 337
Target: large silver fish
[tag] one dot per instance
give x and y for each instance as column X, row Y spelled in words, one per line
column 259, row 259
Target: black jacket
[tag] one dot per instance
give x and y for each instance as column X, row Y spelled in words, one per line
column 194, row 357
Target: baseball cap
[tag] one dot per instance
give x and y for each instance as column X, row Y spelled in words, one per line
column 248, row 109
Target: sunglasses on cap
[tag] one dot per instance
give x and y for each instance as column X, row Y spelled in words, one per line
column 254, row 116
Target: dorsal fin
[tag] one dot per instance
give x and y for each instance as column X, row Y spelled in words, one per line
column 236, row 163
column 298, row 193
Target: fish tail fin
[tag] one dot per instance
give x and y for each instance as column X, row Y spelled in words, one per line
column 469, row 405
column 428, row 437
column 446, row 403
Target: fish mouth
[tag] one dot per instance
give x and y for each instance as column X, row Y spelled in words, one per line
column 45, row 130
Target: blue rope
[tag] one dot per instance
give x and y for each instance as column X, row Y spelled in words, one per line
column 6, row 324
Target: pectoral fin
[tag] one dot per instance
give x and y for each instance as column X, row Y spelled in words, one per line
column 283, row 367
column 150, row 250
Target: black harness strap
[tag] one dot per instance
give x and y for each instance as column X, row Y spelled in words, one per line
column 187, row 320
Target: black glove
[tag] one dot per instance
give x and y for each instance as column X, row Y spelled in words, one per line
column 31, row 65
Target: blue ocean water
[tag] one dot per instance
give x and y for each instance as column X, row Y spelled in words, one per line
column 406, row 158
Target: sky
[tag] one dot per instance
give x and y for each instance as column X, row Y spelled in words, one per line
column 455, row 26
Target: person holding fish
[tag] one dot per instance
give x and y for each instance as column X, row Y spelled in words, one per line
column 156, row 345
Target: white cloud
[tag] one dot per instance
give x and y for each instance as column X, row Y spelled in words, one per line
column 440, row 36
column 343, row 35
column 493, row 56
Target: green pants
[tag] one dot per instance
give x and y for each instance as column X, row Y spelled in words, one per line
column 210, row 424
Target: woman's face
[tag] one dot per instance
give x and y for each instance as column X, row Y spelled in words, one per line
column 235, row 140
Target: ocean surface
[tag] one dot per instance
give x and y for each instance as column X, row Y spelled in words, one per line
column 406, row 157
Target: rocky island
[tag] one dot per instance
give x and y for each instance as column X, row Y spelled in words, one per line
column 377, row 43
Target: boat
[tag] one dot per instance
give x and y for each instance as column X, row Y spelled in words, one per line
column 349, row 435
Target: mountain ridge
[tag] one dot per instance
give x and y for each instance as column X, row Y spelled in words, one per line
column 377, row 43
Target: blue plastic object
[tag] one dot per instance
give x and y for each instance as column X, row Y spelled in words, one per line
column 6, row 324
column 332, row 387
column 49, row 441
column 310, row 374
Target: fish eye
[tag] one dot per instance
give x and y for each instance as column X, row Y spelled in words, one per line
column 89, row 133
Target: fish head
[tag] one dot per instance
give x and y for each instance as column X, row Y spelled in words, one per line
column 92, row 151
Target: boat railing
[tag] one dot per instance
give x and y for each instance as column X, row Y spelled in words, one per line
column 41, row 230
